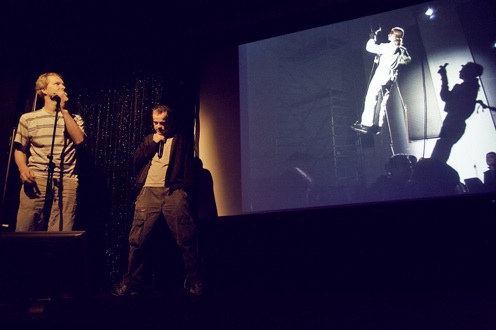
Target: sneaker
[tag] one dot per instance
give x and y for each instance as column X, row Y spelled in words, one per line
column 360, row 128
column 121, row 290
column 195, row 288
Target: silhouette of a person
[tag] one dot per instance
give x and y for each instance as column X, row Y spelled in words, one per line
column 431, row 177
column 490, row 174
column 205, row 206
column 459, row 105
column 393, row 184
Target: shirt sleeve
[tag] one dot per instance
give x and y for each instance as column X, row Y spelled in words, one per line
column 21, row 136
column 372, row 47
column 80, row 122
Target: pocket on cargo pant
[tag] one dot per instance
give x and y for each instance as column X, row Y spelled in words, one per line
column 136, row 233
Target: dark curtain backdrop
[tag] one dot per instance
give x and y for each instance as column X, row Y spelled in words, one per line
column 116, row 119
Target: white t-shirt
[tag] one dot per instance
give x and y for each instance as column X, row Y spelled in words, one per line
column 158, row 167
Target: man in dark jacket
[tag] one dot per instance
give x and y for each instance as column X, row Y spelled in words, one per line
column 166, row 171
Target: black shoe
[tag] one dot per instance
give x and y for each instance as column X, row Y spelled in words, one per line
column 122, row 290
column 360, row 128
column 374, row 130
column 196, row 288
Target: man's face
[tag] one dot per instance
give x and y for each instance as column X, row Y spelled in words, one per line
column 54, row 86
column 160, row 123
column 491, row 159
column 391, row 35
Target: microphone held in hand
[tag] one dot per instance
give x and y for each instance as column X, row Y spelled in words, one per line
column 160, row 149
column 56, row 98
column 373, row 34
column 442, row 69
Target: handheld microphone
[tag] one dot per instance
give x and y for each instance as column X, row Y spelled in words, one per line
column 442, row 69
column 160, row 148
column 55, row 98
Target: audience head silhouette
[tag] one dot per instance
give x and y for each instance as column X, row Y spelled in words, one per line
column 431, row 177
column 399, row 166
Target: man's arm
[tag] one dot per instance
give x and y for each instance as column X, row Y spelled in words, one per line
column 372, row 47
column 75, row 132
column 20, row 159
column 405, row 57
column 445, row 92
column 145, row 151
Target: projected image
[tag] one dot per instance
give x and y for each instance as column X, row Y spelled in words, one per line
column 393, row 106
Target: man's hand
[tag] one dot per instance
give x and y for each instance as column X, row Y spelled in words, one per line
column 63, row 99
column 442, row 69
column 158, row 137
column 27, row 176
column 32, row 190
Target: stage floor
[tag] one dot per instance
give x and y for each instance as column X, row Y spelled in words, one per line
column 248, row 308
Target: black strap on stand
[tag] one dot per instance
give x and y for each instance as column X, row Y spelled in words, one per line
column 47, row 206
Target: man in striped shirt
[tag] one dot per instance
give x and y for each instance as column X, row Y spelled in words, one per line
column 36, row 132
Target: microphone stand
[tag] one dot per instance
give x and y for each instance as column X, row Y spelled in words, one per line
column 47, row 206
column 11, row 152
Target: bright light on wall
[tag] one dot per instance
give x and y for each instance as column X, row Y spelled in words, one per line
column 430, row 13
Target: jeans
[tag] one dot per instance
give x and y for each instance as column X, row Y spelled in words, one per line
column 152, row 202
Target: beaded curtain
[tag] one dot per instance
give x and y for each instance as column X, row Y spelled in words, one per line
column 116, row 120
